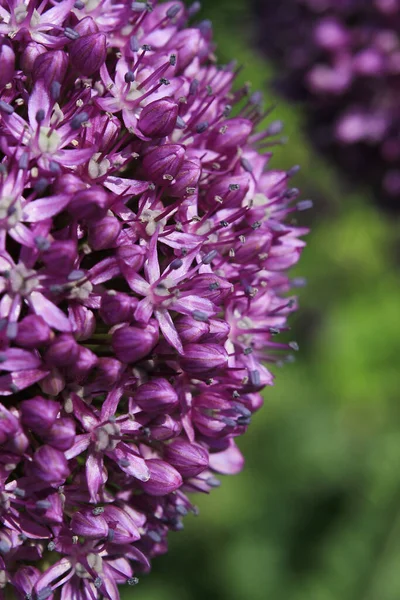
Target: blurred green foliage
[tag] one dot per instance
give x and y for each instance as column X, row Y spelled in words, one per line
column 316, row 513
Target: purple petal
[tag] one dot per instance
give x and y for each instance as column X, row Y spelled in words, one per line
column 133, row 465
column 123, row 187
column 21, row 234
column 81, row 444
column 44, row 208
column 20, row 380
column 15, row 359
column 227, row 462
column 53, row 316
column 38, row 100
column 168, row 329
column 94, row 475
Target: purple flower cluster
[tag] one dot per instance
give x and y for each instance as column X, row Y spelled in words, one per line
column 343, row 58
column 143, row 258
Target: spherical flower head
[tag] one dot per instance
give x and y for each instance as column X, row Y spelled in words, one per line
column 343, row 60
column 144, row 252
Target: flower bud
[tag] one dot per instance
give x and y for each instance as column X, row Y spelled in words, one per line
column 164, row 479
column 32, row 332
column 103, row 132
column 61, row 434
column 85, row 361
column 89, row 525
column 30, row 54
column 156, row 395
column 82, row 320
column 50, row 465
column 190, row 330
column 50, row 66
column 158, row 118
column 164, row 427
column 25, row 579
column 116, row 308
column 108, row 371
column 210, row 286
column 230, row 136
column 187, row 178
column 88, row 53
column 39, row 414
column 131, row 344
column 163, row 162
column 89, row 204
column 61, row 256
column 53, row 383
column 131, row 256
column 186, row 44
column 7, row 62
column 124, row 528
column 189, row 459
column 68, row 184
column 232, row 190
column 203, row 360
column 63, row 352
column 9, row 425
column 103, row 234
column 86, row 26
column 218, row 332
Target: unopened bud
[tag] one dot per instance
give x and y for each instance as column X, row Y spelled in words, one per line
column 88, row 53
column 158, row 118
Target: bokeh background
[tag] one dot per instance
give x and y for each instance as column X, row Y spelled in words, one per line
column 316, row 513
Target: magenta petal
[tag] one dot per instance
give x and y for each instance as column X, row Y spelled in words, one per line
column 49, row 312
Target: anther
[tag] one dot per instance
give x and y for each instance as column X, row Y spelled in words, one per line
column 55, row 90
column 176, row 264
column 78, row 120
column 23, row 162
column 255, row 378
column 199, row 315
column 173, row 11
column 129, row 77
column 209, row 257
column 71, row 34
column 304, row 205
column 6, row 108
column 98, row 510
column 202, row 127
column 40, row 115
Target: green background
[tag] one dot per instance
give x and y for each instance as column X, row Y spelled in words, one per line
column 316, row 512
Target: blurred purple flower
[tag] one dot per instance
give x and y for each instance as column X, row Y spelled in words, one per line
column 343, row 58
column 143, row 258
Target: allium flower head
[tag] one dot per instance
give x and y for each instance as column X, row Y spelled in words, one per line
column 343, row 57
column 143, row 257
